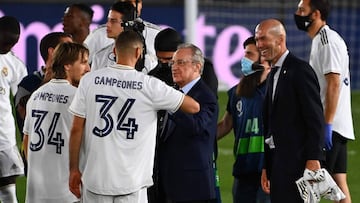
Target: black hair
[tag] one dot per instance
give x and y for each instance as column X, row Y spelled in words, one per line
column 167, row 40
column 84, row 8
column 126, row 9
column 250, row 40
column 128, row 39
column 323, row 6
column 51, row 40
column 9, row 24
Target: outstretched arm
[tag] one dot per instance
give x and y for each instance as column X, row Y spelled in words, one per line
column 189, row 105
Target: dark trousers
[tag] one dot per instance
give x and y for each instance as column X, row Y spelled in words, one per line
column 195, row 201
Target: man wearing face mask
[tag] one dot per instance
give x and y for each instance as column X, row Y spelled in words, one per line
column 166, row 42
column 330, row 60
column 244, row 109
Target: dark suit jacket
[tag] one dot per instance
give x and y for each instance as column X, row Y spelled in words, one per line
column 295, row 119
column 209, row 76
column 186, row 170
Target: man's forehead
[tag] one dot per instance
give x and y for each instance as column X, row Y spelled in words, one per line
column 66, row 39
column 303, row 4
column 114, row 13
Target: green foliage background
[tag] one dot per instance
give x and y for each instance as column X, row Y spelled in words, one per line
column 225, row 159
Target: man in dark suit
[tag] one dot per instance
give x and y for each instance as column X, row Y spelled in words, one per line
column 166, row 42
column 293, row 116
column 186, row 156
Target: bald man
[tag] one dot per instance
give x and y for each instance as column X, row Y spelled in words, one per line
column 293, row 115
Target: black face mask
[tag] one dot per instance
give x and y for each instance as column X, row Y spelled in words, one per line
column 303, row 22
column 164, row 65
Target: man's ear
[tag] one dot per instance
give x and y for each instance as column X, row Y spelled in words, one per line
column 67, row 67
column 50, row 52
column 138, row 52
column 198, row 67
column 316, row 15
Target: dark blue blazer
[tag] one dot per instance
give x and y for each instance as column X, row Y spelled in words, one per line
column 186, row 170
column 295, row 119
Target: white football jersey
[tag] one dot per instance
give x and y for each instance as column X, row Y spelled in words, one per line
column 12, row 71
column 97, row 41
column 329, row 54
column 48, row 123
column 120, row 107
column 104, row 58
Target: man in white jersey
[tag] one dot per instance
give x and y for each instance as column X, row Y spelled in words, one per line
column 118, row 13
column 115, row 117
column 12, row 70
column 330, row 60
column 47, row 127
column 33, row 81
column 97, row 39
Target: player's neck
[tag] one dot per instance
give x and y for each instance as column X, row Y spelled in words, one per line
column 315, row 28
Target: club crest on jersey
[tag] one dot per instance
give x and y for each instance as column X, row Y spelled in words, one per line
column 2, row 91
column 4, row 71
column 239, row 108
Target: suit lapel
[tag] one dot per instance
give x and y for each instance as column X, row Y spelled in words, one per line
column 278, row 86
column 195, row 87
column 171, row 125
column 282, row 75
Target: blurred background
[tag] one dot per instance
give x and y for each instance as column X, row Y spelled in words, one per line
column 220, row 27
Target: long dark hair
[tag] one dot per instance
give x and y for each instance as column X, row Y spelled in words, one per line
column 248, row 84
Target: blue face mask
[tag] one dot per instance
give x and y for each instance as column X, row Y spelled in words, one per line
column 249, row 67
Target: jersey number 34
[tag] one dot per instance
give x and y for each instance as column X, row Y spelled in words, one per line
column 53, row 138
column 130, row 126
